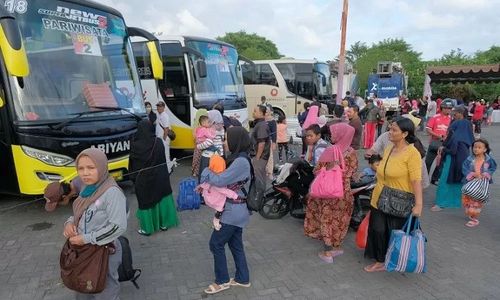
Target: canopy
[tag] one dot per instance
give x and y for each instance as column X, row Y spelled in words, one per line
column 466, row 73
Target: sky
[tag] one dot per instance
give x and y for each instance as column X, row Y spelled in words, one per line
column 311, row 28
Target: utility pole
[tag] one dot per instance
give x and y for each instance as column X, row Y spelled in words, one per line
column 343, row 28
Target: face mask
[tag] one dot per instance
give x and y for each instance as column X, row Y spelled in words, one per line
column 148, row 109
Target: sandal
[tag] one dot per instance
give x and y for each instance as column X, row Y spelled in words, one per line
column 472, row 223
column 374, row 268
column 233, row 282
column 215, row 288
column 326, row 258
column 336, row 253
column 436, row 208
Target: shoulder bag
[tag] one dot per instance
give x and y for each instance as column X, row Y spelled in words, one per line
column 329, row 183
column 84, row 268
column 478, row 189
column 395, row 202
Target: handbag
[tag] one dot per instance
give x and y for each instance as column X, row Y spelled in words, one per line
column 84, row 268
column 362, row 233
column 478, row 189
column 329, row 183
column 406, row 252
column 395, row 202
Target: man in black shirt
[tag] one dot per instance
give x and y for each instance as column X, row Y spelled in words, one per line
column 261, row 148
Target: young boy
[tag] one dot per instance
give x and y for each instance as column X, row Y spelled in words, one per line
column 374, row 162
column 315, row 144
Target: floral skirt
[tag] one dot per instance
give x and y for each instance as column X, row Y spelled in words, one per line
column 472, row 207
column 195, row 167
column 328, row 219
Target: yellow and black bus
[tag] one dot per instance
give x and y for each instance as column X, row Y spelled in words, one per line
column 68, row 81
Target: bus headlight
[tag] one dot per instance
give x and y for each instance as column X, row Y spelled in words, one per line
column 47, row 157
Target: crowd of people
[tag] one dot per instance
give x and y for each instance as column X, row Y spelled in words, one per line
column 398, row 161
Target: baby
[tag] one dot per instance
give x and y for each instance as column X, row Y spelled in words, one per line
column 215, row 197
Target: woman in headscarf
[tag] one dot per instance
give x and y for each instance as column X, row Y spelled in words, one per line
column 212, row 146
column 150, row 175
column 99, row 215
column 195, row 166
column 328, row 219
column 149, row 111
column 455, row 150
column 235, row 216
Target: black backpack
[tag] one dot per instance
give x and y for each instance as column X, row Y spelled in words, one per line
column 254, row 200
column 125, row 271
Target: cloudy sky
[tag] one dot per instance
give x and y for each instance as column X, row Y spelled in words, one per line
column 311, row 28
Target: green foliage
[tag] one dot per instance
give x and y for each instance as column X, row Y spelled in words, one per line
column 365, row 60
column 251, row 46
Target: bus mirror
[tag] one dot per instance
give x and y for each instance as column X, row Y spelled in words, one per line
column 12, row 47
column 156, row 62
column 201, row 67
column 323, row 80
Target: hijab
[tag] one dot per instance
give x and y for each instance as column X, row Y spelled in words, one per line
column 342, row 135
column 312, row 117
column 90, row 193
column 143, row 142
column 216, row 117
column 461, row 132
column 238, row 141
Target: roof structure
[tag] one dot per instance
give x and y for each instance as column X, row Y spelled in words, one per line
column 466, row 73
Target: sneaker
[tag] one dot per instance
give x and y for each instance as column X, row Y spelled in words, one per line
column 142, row 232
column 163, row 228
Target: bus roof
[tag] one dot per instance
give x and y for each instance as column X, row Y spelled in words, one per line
column 96, row 5
column 185, row 38
column 288, row 60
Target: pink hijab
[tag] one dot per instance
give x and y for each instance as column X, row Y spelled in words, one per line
column 342, row 135
column 312, row 117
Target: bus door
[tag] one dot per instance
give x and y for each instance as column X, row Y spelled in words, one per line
column 303, row 89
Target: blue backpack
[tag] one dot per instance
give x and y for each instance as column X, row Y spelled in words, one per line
column 188, row 198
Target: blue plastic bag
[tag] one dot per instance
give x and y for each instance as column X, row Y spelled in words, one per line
column 406, row 251
column 188, row 198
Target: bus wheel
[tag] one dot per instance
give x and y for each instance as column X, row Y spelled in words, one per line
column 277, row 113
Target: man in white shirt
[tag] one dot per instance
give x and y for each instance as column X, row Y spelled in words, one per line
column 162, row 129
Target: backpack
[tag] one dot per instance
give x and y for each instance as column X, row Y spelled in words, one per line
column 188, row 198
column 126, row 271
column 254, row 200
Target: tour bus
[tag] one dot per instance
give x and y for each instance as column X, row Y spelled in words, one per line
column 68, row 82
column 198, row 73
column 286, row 84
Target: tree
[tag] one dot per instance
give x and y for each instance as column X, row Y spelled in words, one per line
column 356, row 51
column 251, row 46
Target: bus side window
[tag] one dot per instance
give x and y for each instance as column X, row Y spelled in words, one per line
column 263, row 75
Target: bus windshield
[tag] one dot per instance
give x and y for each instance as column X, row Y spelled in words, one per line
column 224, row 82
column 79, row 58
column 322, row 82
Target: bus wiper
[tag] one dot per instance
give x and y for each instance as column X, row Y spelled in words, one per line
column 136, row 117
column 77, row 116
column 84, row 113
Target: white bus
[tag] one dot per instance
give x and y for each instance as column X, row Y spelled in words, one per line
column 286, row 84
column 198, row 73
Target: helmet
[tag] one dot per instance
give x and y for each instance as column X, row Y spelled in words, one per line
column 447, row 104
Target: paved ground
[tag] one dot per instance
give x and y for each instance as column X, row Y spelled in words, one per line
column 463, row 263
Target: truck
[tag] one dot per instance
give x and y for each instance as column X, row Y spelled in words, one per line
column 388, row 84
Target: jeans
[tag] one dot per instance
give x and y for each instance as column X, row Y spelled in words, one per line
column 231, row 235
column 283, row 147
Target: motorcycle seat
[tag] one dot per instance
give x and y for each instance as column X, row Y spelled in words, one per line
column 284, row 190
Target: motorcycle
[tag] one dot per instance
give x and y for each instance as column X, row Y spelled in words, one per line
column 362, row 192
column 289, row 196
column 288, row 191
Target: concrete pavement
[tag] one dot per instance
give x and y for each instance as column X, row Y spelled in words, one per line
column 463, row 263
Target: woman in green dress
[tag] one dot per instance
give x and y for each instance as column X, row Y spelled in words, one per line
column 149, row 173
